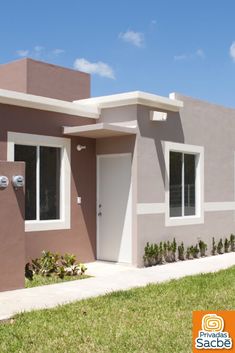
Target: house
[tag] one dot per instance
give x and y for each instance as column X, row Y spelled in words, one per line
column 105, row 175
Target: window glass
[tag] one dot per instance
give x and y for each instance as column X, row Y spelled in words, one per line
column 189, row 184
column 49, row 183
column 47, row 169
column 175, row 184
column 28, row 154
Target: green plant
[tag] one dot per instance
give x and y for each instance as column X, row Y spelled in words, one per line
column 181, row 251
column 151, row 253
column 214, row 247
column 190, row 252
column 160, row 253
column 226, row 245
column 50, row 264
column 220, row 247
column 28, row 271
column 174, row 248
column 164, row 250
column 202, row 248
column 195, row 251
column 36, row 266
column 146, row 256
column 232, row 242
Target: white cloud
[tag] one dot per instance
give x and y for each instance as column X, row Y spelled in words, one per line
column 132, row 37
column 232, row 51
column 58, row 51
column 38, row 48
column 22, row 53
column 40, row 52
column 199, row 53
column 100, row 68
column 180, row 57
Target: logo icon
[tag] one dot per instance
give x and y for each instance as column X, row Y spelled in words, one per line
column 212, row 331
column 212, row 323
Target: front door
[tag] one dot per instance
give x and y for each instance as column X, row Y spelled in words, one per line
column 114, row 214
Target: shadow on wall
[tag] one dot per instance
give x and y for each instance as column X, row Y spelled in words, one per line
column 160, row 131
column 83, row 174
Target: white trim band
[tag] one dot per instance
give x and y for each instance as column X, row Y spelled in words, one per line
column 160, row 208
column 151, row 208
column 219, row 206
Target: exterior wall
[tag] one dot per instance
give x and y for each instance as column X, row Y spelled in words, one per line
column 198, row 123
column 81, row 238
column 12, row 239
column 13, row 76
column 47, row 80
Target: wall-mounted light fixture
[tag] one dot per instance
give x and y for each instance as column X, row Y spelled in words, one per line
column 80, row 148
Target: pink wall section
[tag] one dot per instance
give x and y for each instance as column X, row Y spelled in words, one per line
column 12, row 236
column 81, row 238
column 42, row 79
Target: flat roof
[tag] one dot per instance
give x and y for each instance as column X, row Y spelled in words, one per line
column 99, row 130
column 136, row 97
column 49, row 104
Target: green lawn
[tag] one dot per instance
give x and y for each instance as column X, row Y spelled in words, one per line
column 156, row 319
column 39, row 280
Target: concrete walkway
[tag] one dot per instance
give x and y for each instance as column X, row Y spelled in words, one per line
column 108, row 277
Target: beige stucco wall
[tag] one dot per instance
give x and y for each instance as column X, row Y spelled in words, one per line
column 198, row 123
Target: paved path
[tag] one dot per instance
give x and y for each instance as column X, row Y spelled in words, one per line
column 108, row 277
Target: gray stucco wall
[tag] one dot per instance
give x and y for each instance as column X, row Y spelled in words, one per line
column 198, row 123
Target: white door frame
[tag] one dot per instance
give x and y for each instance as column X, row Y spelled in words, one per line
column 98, row 156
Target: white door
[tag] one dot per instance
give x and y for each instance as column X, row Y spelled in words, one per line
column 114, row 216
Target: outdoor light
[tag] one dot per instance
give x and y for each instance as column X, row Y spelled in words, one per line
column 80, row 148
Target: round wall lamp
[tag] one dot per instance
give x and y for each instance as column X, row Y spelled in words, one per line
column 80, row 148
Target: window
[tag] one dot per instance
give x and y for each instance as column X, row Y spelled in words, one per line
column 184, row 184
column 48, row 174
column 42, row 191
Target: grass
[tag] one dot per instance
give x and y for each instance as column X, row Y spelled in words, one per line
column 39, row 280
column 155, row 318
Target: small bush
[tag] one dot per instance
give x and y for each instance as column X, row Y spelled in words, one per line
column 202, row 248
column 232, row 242
column 220, row 247
column 53, row 264
column 181, row 252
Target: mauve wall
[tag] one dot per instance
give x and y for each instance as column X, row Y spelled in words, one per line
column 12, row 237
column 81, row 238
column 43, row 79
column 198, row 123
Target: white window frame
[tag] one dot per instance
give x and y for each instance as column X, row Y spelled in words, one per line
column 198, row 151
column 15, row 138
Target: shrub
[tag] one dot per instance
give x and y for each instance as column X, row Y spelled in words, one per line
column 181, row 251
column 220, row 247
column 232, row 242
column 214, row 247
column 195, row 251
column 190, row 252
column 202, row 248
column 54, row 264
column 226, row 245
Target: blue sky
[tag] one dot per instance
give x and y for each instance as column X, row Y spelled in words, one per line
column 150, row 45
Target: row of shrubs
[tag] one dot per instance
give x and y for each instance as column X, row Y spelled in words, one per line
column 156, row 254
column 53, row 264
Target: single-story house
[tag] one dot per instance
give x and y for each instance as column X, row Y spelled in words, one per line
column 105, row 175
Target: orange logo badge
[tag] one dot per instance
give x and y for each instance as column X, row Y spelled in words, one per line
column 214, row 331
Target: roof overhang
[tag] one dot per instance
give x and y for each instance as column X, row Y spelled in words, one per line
column 130, row 98
column 49, row 104
column 99, row 130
